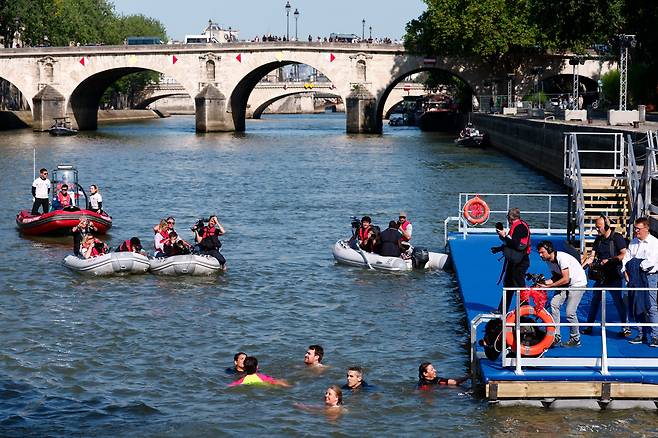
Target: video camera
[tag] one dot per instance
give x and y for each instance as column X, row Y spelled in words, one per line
column 356, row 223
column 198, row 226
column 535, row 278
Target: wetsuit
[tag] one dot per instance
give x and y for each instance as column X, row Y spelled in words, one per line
column 424, row 384
column 254, row 379
column 364, row 386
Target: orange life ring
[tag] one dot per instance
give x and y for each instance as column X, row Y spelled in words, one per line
column 543, row 345
column 476, row 211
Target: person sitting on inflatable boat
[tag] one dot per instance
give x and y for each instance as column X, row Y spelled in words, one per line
column 173, row 246
column 62, row 199
column 131, row 245
column 92, row 247
column 80, row 231
column 253, row 377
column 207, row 238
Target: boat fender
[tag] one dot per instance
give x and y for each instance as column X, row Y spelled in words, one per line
column 420, row 257
column 544, row 344
column 476, row 211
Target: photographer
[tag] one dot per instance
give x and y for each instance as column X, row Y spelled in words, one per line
column 207, row 238
column 516, row 249
column 604, row 264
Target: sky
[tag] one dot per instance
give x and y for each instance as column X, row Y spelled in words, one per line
column 257, row 17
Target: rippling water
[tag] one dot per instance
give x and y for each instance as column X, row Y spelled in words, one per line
column 145, row 356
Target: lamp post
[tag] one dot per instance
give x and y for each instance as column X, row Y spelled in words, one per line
column 370, row 29
column 210, row 29
column 288, row 7
column 510, row 78
column 363, row 29
column 296, row 14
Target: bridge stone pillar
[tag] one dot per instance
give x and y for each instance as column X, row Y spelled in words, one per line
column 46, row 105
column 211, row 111
column 361, row 108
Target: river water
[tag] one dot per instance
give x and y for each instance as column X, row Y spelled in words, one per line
column 145, row 356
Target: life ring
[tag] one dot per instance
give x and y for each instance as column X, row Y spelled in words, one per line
column 476, row 211
column 539, row 348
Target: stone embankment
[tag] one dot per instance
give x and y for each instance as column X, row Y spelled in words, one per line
column 23, row 119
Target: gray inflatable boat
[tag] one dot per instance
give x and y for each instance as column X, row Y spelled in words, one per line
column 420, row 259
column 109, row 264
column 190, row 264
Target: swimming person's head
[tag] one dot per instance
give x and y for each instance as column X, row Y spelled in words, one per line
column 250, row 365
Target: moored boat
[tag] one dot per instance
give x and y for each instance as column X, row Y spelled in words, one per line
column 62, row 127
column 109, row 264
column 420, row 259
column 189, row 264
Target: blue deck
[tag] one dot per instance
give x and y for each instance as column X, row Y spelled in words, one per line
column 478, row 272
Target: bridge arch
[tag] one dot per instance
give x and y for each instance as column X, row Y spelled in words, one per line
column 563, row 84
column 258, row 111
column 143, row 104
column 242, row 90
column 399, row 77
column 85, row 98
column 23, row 92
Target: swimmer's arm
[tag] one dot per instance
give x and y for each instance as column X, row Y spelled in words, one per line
column 273, row 381
column 454, row 382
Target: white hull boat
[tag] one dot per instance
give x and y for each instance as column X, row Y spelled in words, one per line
column 344, row 254
column 109, row 264
column 189, row 264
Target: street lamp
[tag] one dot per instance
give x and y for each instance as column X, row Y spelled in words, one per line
column 370, row 28
column 210, row 29
column 288, row 7
column 510, row 78
column 296, row 14
column 363, row 29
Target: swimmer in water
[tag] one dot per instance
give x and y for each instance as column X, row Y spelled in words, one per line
column 253, row 377
column 238, row 364
column 333, row 403
column 333, row 397
column 355, row 382
column 313, row 356
column 427, row 377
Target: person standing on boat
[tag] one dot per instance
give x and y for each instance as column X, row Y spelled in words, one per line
column 607, row 253
column 80, row 231
column 391, row 241
column 95, row 200
column 516, row 249
column 641, row 269
column 567, row 272
column 406, row 229
column 41, row 192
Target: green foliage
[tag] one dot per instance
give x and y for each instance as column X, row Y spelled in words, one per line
column 610, row 88
column 535, row 97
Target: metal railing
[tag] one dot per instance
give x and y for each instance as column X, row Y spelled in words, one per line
column 573, row 178
column 546, row 212
column 650, row 171
column 635, row 181
column 603, row 361
column 614, row 167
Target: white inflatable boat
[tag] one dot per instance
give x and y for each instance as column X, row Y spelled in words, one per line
column 109, row 264
column 190, row 264
column 420, row 259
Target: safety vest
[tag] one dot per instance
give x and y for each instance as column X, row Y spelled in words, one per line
column 363, row 233
column 126, row 246
column 526, row 240
column 209, row 231
column 64, row 200
column 403, row 227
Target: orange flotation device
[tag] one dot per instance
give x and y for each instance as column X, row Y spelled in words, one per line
column 476, row 211
column 543, row 345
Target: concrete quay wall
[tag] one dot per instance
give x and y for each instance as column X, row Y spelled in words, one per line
column 540, row 144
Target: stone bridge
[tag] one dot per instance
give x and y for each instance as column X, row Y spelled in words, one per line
column 265, row 94
column 61, row 81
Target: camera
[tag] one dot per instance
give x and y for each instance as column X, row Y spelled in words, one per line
column 535, row 278
column 499, row 225
column 198, row 226
column 356, row 223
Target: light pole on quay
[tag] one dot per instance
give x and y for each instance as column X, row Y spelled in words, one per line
column 288, row 7
column 296, row 14
column 370, row 29
column 363, row 29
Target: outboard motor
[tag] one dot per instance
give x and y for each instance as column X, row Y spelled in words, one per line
column 420, row 257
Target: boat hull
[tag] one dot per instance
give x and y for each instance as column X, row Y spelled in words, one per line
column 472, row 141
column 348, row 256
column 109, row 264
column 190, row 264
column 60, row 222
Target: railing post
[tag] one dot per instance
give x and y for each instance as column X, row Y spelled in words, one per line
column 550, row 212
column 604, row 339
column 503, row 314
column 517, row 334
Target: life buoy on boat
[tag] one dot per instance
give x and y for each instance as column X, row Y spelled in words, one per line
column 543, row 345
column 476, row 211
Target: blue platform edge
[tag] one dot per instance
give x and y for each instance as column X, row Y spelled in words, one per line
column 478, row 271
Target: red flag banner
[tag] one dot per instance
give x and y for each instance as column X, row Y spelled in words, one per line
column 173, row 59
column 239, row 58
column 332, row 57
column 82, row 61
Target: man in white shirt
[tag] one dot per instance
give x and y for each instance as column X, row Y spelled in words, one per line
column 644, row 247
column 567, row 272
column 41, row 192
column 95, row 200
